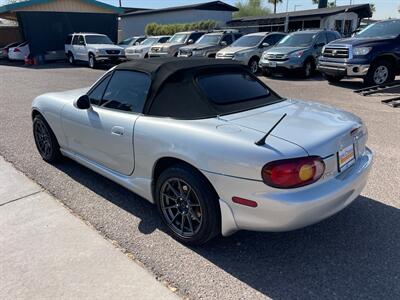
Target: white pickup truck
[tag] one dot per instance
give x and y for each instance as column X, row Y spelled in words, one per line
column 92, row 48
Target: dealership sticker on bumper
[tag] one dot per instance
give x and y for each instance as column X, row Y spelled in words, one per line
column 346, row 158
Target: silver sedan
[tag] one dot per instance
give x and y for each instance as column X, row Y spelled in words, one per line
column 210, row 144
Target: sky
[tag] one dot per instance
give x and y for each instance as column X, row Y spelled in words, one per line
column 384, row 8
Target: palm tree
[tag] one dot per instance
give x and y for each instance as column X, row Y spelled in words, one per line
column 275, row 2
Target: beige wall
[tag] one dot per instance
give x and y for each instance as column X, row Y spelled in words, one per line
column 67, row 6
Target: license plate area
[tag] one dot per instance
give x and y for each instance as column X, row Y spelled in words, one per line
column 272, row 64
column 346, row 158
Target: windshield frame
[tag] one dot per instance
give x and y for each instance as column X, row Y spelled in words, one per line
column 154, row 39
column 186, row 35
column 380, row 34
column 98, row 36
column 297, row 45
column 199, row 41
column 261, row 38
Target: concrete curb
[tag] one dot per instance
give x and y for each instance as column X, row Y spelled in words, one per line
column 47, row 253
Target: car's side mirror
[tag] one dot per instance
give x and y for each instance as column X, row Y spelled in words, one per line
column 223, row 44
column 83, row 102
column 137, row 43
column 265, row 45
column 190, row 42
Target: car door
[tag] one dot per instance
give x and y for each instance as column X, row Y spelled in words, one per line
column 320, row 42
column 104, row 133
column 81, row 49
column 75, row 46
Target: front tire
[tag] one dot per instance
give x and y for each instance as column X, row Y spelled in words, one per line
column 71, row 59
column 45, row 140
column 92, row 61
column 188, row 205
column 380, row 72
column 308, row 68
column 253, row 65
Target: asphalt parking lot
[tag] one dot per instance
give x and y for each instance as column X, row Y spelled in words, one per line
column 354, row 254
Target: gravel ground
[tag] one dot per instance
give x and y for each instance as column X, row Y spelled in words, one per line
column 354, row 254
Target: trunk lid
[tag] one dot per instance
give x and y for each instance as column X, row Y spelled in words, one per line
column 319, row 129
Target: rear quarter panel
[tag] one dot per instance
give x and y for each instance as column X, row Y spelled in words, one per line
column 210, row 145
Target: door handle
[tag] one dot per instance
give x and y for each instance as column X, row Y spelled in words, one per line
column 117, row 130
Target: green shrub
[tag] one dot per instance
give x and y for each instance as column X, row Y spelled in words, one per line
column 171, row 29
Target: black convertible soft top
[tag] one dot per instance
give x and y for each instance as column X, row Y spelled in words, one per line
column 173, row 91
column 161, row 69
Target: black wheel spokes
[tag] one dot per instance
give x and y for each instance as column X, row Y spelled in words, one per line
column 43, row 139
column 181, row 207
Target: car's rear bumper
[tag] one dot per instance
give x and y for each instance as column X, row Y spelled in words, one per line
column 343, row 69
column 285, row 210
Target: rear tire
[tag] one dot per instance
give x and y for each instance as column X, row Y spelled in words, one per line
column 188, row 205
column 45, row 140
column 380, row 72
column 92, row 61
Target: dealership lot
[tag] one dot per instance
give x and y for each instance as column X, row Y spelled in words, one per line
column 354, row 254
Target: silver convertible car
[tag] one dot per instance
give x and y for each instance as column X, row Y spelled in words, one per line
column 210, row 144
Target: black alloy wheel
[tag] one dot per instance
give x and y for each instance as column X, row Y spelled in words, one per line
column 188, row 205
column 45, row 140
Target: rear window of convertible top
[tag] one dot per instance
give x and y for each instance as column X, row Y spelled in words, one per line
column 210, row 93
column 231, row 87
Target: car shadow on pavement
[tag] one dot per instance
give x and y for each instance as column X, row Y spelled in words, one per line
column 294, row 77
column 60, row 64
column 354, row 254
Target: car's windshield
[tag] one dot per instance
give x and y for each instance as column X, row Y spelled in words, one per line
column 98, row 39
column 297, row 40
column 178, row 38
column 248, row 41
column 149, row 41
column 382, row 29
column 126, row 41
column 212, row 39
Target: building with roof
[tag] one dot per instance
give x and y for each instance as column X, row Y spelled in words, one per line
column 344, row 19
column 9, row 32
column 45, row 24
column 133, row 23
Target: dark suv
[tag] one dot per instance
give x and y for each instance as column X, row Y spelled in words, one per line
column 209, row 44
column 373, row 54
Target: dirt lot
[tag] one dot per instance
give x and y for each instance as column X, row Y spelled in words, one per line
column 354, row 254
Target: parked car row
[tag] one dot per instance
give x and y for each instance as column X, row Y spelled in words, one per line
column 373, row 53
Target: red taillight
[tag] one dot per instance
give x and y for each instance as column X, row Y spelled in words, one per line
column 293, row 173
column 17, row 50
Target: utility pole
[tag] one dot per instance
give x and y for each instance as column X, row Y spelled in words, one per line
column 120, row 3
